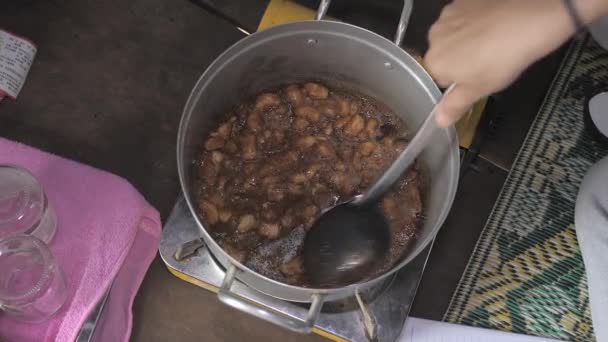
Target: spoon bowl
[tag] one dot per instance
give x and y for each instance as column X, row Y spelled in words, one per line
column 349, row 242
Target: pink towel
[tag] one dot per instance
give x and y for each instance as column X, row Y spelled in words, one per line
column 107, row 236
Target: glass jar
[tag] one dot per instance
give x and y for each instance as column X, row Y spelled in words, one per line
column 24, row 207
column 32, row 287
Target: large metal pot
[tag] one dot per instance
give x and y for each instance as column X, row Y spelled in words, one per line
column 336, row 53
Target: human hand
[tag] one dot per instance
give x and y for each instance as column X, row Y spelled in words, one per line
column 483, row 46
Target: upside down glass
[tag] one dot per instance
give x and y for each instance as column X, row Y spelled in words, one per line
column 32, row 287
column 24, row 208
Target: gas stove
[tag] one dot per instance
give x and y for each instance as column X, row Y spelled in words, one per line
column 378, row 314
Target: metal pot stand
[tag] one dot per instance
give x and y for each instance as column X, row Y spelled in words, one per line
column 379, row 315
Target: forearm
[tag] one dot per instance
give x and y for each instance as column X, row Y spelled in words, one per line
column 506, row 35
column 559, row 24
column 590, row 10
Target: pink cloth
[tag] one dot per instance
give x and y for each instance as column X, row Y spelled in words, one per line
column 107, row 236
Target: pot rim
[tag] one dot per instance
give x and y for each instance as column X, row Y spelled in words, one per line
column 242, row 46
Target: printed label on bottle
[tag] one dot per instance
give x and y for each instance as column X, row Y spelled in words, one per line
column 16, row 57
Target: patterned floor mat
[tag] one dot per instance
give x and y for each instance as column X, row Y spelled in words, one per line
column 526, row 273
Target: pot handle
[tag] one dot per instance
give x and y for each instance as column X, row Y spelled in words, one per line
column 229, row 298
column 406, row 13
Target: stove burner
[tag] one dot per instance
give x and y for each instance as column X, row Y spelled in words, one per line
column 388, row 303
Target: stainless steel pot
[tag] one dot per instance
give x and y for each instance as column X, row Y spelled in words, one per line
column 335, row 53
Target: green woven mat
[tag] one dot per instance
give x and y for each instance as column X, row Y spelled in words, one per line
column 526, row 274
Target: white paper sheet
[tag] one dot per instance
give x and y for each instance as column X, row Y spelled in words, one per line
column 422, row 330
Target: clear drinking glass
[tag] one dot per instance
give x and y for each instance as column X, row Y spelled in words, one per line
column 32, row 287
column 24, row 208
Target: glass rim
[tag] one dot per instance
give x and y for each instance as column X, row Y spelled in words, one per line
column 28, row 194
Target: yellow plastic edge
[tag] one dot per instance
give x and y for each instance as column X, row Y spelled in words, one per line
column 192, row 280
column 467, row 126
column 284, row 11
column 215, row 289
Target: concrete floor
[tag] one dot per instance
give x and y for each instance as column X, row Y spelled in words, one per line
column 107, row 89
